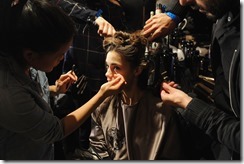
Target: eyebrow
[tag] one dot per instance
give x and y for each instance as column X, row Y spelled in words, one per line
column 117, row 64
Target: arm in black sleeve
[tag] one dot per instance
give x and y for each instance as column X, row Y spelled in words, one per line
column 217, row 124
column 76, row 10
column 174, row 7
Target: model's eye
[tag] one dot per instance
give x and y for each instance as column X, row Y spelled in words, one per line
column 116, row 69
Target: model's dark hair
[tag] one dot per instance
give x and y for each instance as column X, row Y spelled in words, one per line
column 42, row 27
column 132, row 47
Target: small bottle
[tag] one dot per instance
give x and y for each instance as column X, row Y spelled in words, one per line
column 158, row 8
column 151, row 14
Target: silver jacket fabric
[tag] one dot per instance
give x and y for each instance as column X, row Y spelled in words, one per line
column 147, row 130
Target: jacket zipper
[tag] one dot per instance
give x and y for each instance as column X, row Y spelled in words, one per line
column 230, row 82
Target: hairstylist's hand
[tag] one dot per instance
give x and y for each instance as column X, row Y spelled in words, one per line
column 104, row 27
column 158, row 25
column 64, row 82
column 114, row 86
column 173, row 96
column 170, row 83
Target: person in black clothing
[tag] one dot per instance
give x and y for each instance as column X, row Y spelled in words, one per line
column 221, row 121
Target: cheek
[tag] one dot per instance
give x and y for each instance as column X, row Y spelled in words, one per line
column 57, row 61
column 128, row 77
column 61, row 58
column 48, row 66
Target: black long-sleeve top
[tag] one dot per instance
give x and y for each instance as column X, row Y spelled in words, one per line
column 222, row 121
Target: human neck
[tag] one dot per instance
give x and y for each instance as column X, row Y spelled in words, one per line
column 131, row 97
column 27, row 71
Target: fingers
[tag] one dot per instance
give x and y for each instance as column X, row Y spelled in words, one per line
column 148, row 28
column 173, row 84
column 153, row 32
column 106, row 30
column 157, row 26
column 112, row 31
column 146, row 31
column 118, row 81
column 101, row 29
column 104, row 27
column 159, row 31
column 69, row 74
column 148, row 21
column 167, row 94
column 114, row 86
column 167, row 88
column 63, row 81
column 164, row 95
column 67, row 83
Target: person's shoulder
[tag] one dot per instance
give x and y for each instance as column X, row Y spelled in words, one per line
column 105, row 106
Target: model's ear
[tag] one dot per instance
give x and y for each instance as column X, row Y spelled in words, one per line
column 28, row 55
column 138, row 70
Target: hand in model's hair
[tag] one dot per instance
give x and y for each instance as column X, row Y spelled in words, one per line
column 104, row 27
column 158, row 25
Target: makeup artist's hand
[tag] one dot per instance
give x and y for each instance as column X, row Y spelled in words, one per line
column 63, row 83
column 113, row 86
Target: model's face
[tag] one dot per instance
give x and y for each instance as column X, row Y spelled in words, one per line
column 115, row 63
column 46, row 62
column 214, row 9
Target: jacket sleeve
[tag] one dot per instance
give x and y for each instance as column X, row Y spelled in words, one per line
column 217, row 124
column 75, row 10
column 174, row 7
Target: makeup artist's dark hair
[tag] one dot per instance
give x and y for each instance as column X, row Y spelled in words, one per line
column 42, row 27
